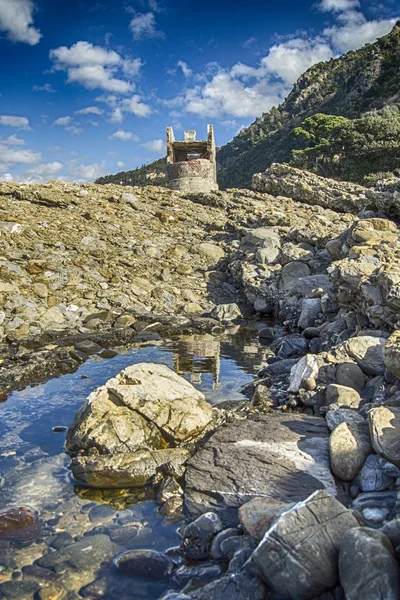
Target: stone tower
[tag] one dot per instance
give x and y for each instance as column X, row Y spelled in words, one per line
column 191, row 163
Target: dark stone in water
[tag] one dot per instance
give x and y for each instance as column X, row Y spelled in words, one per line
column 19, row 524
column 199, row 575
column 3, row 396
column 59, row 429
column 19, row 590
column 84, row 554
column 145, row 563
column 198, row 536
column 61, row 540
column 217, row 554
column 100, row 512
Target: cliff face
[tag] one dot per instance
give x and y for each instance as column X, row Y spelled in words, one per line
column 357, row 82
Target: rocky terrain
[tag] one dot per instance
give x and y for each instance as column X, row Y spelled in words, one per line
column 290, row 495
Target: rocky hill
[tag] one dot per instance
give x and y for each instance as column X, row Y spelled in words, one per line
column 360, row 86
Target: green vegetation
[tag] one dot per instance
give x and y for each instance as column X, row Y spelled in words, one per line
column 153, row 174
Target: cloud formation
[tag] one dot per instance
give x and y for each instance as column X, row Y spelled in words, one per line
column 157, row 146
column 143, row 26
column 124, row 136
column 11, row 121
column 16, row 19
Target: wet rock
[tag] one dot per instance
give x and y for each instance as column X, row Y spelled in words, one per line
column 298, row 555
column 145, row 563
column 367, row 568
column 349, row 446
column 84, row 554
column 372, row 477
column 345, row 396
column 198, row 575
column 19, row 590
column 384, row 423
column 123, row 469
column 226, row 312
column 19, row 524
column 391, row 353
column 198, row 536
column 368, row 353
column 284, row 457
column 257, row 516
column 100, row 513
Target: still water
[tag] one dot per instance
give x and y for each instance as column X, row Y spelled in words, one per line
column 34, row 472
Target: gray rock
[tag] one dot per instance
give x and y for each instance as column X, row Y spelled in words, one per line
column 263, row 237
column 392, row 531
column 298, row 555
column 384, row 423
column 375, row 507
column 84, row 554
column 310, row 311
column 226, row 312
column 240, row 586
column 342, row 415
column 367, row 568
column 291, row 345
column 217, row 554
column 198, row 536
column 350, row 375
column 391, row 353
column 284, row 457
column 368, row 353
column 291, row 273
column 349, row 446
column 145, row 563
column 372, row 477
column 197, row 575
column 304, row 369
column 305, row 285
column 266, row 256
column 257, row 516
column 346, row 396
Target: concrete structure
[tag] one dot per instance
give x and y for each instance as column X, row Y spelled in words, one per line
column 191, row 163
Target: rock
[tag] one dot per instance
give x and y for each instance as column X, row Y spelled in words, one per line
column 292, row 345
column 391, row 353
column 124, row 469
column 198, row 536
column 86, row 553
column 226, row 312
column 368, row 353
column 376, row 507
column 140, row 408
column 310, row 311
column 246, row 459
column 52, row 316
column 88, row 347
column 349, row 446
column 367, row 568
column 298, row 555
column 345, row 396
column 19, row 590
column 217, row 553
column 129, row 198
column 291, row 273
column 145, row 563
column 197, row 575
column 125, row 321
column 263, row 237
column 19, row 524
column 372, row 478
column 266, row 256
column 256, row 516
column 342, row 415
column 40, row 290
column 240, row 586
column 350, row 375
column 305, row 285
column 384, row 423
column 305, row 368
column 392, row 531
column 211, row 252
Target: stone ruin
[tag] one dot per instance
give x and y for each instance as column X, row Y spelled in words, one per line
column 191, row 163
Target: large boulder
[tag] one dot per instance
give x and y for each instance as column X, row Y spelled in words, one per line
column 146, row 410
column 349, row 447
column 298, row 554
column 367, row 567
column 384, row 423
column 283, row 457
column 367, row 351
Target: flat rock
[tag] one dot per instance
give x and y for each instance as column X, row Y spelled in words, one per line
column 298, row 555
column 283, row 457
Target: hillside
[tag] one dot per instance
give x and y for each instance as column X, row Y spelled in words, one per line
column 152, row 174
column 356, row 83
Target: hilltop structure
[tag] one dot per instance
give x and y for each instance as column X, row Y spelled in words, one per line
column 191, row 163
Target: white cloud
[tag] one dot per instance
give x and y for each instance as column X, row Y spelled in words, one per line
column 143, row 25
column 16, row 19
column 62, row 121
column 124, row 136
column 120, row 164
column 11, row 156
column 136, row 107
column 9, row 121
column 187, row 72
column 157, row 146
column 12, row 140
column 7, row 177
column 90, row 110
column 338, row 5
column 95, row 67
column 74, row 130
column 42, row 173
column 47, row 87
column 81, row 173
column 357, row 31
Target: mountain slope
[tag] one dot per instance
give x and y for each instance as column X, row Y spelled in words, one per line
column 357, row 82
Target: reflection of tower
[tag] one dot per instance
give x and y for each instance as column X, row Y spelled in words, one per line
column 197, row 354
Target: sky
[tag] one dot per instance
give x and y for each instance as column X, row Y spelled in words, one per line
column 87, row 87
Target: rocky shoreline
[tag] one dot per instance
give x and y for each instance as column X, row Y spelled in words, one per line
column 282, row 495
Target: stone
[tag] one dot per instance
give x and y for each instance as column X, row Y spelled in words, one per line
column 298, row 554
column 88, row 347
column 310, row 311
column 145, row 563
column 195, row 575
column 239, row 586
column 305, row 285
column 278, row 456
column 263, row 237
column 19, row 590
column 291, row 273
column 198, row 536
column 125, row 321
column 391, row 353
column 291, row 345
column 266, row 256
column 129, row 198
column 345, row 396
column 372, row 477
column 368, row 353
column 226, row 312
column 367, row 568
column 376, row 507
column 211, row 252
column 52, row 316
column 305, row 368
column 19, row 524
column 342, row 415
column 217, row 554
column 384, row 423
column 392, row 530
column 40, row 290
column 124, row 469
column 349, row 446
column 256, row 516
column 86, row 553
column 350, row 375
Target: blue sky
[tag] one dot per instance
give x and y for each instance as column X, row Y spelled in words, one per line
column 87, row 87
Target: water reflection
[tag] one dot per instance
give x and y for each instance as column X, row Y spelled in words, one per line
column 198, row 354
